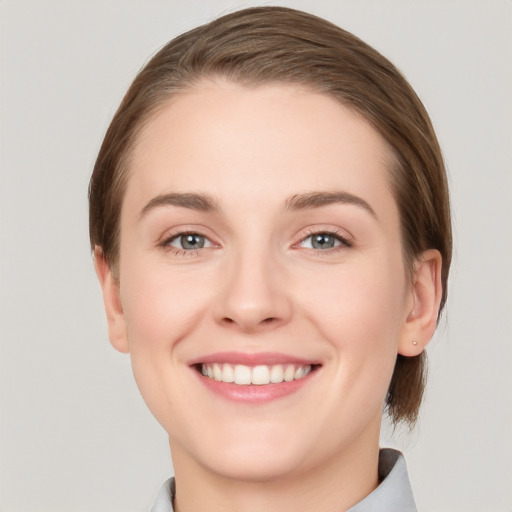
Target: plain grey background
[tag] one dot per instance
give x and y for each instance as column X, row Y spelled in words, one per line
column 74, row 433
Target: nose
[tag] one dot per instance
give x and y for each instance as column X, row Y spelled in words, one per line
column 254, row 296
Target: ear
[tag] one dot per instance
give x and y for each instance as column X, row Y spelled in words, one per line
column 111, row 298
column 423, row 304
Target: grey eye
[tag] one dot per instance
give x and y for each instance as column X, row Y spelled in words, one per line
column 190, row 242
column 321, row 241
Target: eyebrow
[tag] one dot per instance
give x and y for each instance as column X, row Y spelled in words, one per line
column 206, row 203
column 193, row 201
column 319, row 199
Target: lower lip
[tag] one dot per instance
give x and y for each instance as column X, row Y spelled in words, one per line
column 254, row 393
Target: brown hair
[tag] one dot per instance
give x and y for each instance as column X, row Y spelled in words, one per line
column 277, row 44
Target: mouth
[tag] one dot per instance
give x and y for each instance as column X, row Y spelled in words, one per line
column 254, row 378
column 260, row 375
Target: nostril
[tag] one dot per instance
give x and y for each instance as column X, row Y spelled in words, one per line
column 265, row 321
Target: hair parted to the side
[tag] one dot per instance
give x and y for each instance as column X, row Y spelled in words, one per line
column 276, row 44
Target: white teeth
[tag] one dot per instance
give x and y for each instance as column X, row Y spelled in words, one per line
column 228, row 373
column 217, row 372
column 256, row 375
column 260, row 375
column 299, row 373
column 242, row 374
column 277, row 374
column 289, row 373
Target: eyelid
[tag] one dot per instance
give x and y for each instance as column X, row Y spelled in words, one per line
column 170, row 240
column 174, row 233
column 343, row 236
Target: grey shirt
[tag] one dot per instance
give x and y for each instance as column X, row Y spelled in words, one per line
column 394, row 494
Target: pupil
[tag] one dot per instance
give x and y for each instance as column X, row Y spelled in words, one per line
column 323, row 242
column 192, row 241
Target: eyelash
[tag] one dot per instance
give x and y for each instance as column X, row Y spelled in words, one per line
column 176, row 251
column 344, row 243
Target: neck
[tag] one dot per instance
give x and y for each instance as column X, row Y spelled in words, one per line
column 334, row 486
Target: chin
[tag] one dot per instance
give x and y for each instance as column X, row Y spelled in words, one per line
column 257, row 466
column 259, row 455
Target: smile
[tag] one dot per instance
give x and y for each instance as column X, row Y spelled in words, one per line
column 260, row 375
column 254, row 378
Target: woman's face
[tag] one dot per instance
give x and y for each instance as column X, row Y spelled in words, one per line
column 260, row 242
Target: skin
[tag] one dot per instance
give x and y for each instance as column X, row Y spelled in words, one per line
column 258, row 285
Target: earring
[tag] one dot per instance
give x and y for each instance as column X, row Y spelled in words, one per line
column 414, row 342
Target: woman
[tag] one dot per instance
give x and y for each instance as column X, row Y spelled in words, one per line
column 270, row 223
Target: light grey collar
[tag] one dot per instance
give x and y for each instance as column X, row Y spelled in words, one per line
column 165, row 497
column 394, row 494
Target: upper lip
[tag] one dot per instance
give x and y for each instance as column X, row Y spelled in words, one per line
column 251, row 359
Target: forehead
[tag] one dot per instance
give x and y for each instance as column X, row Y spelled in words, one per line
column 234, row 141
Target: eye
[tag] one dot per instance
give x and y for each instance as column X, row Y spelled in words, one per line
column 323, row 241
column 189, row 242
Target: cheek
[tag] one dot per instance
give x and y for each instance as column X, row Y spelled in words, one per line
column 160, row 307
column 360, row 312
